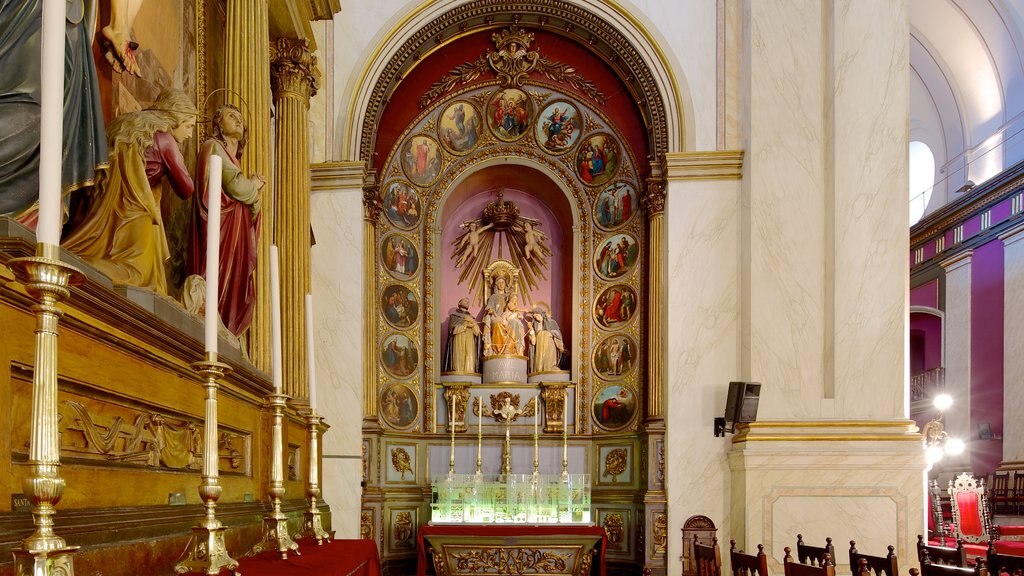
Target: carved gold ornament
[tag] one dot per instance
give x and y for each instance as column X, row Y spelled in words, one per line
column 401, row 461
column 615, row 463
column 514, row 560
column 402, row 531
column 659, row 534
column 613, row 524
column 366, row 525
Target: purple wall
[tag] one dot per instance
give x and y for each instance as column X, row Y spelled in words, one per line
column 987, row 354
column 926, row 294
column 925, row 342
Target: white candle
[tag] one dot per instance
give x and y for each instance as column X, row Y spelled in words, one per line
column 309, row 352
column 214, row 171
column 51, row 122
column 275, row 318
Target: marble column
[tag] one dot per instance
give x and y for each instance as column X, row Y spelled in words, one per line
column 247, row 83
column 1013, row 335
column 956, row 341
column 294, row 79
column 823, row 280
column 336, row 214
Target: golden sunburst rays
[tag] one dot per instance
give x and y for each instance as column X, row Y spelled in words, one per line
column 527, row 246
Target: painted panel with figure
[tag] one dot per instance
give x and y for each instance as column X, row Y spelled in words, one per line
column 616, row 256
column 616, row 205
column 558, row 127
column 421, row 160
column 399, row 406
column 459, row 127
column 615, row 356
column 597, row 159
column 400, row 355
column 402, row 205
column 400, row 305
column 509, row 114
column 400, row 257
column 614, row 407
column 615, row 306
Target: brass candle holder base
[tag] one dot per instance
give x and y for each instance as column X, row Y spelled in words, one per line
column 48, row 281
column 275, row 524
column 312, row 524
column 206, row 552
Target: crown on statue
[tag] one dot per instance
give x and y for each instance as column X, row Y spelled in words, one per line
column 501, row 213
column 512, row 34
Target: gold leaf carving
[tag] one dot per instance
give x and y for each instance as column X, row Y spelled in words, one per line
column 615, row 463
column 401, row 461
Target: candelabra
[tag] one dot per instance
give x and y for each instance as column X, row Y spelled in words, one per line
column 275, row 524
column 206, row 552
column 312, row 525
column 46, row 279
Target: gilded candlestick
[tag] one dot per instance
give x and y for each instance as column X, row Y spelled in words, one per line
column 312, row 525
column 565, row 436
column 48, row 280
column 479, row 435
column 206, row 552
column 275, row 524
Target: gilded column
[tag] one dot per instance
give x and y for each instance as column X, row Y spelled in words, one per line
column 294, row 78
column 371, row 210
column 247, row 77
column 654, row 201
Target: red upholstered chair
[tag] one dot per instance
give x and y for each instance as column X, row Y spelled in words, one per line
column 972, row 517
column 748, row 564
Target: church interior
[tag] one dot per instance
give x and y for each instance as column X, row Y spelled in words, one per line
column 467, row 287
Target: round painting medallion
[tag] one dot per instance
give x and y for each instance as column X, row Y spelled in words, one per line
column 558, row 127
column 399, row 355
column 616, row 256
column 508, row 114
column 400, row 305
column 459, row 127
column 615, row 356
column 399, row 256
column 401, row 203
column 616, row 205
column 421, row 160
column 614, row 407
column 615, row 306
column 399, row 406
column 597, row 159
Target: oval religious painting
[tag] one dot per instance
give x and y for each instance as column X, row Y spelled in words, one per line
column 597, row 159
column 399, row 355
column 399, row 406
column 616, row 205
column 459, row 127
column 616, row 256
column 421, row 160
column 399, row 256
column 400, row 305
column 615, row 356
column 614, row 407
column 402, row 204
column 615, row 306
column 558, row 127
column 508, row 114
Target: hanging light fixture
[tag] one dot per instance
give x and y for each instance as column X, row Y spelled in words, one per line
column 937, row 442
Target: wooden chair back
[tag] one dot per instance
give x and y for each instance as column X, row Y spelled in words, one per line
column 825, row 567
column 972, row 519
column 748, row 564
column 942, row 554
column 999, row 492
column 1004, row 563
column 1018, row 492
column 707, row 557
column 936, row 521
column 813, row 555
column 930, row 569
column 864, row 563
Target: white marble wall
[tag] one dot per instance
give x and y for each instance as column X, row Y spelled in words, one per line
column 957, row 344
column 337, row 259
column 703, row 333
column 1013, row 335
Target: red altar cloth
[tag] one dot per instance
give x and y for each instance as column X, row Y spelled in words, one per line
column 335, row 558
column 501, row 530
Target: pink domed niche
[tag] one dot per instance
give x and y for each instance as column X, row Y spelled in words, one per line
column 537, row 197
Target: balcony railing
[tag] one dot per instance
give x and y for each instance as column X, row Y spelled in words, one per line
column 926, row 385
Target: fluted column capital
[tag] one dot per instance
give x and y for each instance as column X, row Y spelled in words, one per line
column 293, row 69
column 654, row 198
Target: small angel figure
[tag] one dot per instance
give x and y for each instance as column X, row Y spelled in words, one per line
column 469, row 244
column 534, row 241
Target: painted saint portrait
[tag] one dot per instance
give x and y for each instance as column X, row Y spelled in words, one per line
column 400, row 355
column 615, row 306
column 616, row 256
column 400, row 305
column 616, row 205
column 614, row 407
column 402, row 205
column 459, row 127
column 558, row 127
column 398, row 406
column 508, row 114
column 597, row 159
column 400, row 257
column 421, row 160
column 615, row 356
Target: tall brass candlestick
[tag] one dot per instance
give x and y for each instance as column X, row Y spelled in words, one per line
column 47, row 280
column 536, row 453
column 206, row 552
column 479, row 434
column 275, row 524
column 565, row 435
column 451, row 424
column 312, row 525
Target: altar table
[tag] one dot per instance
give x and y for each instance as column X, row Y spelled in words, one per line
column 512, row 549
column 335, row 558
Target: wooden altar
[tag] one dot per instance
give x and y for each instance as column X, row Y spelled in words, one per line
column 504, row 549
